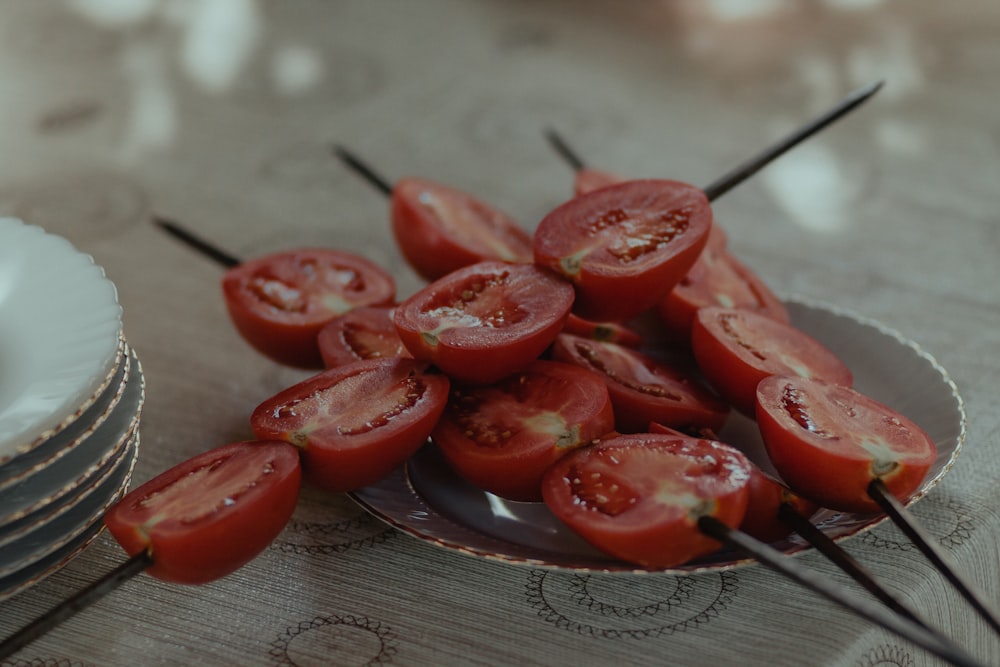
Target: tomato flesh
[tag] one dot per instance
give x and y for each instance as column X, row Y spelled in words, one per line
column 736, row 349
column 208, row 516
column 639, row 497
column 486, row 321
column 279, row 302
column 503, row 437
column 608, row 332
column 626, row 245
column 361, row 333
column 357, row 422
column 440, row 229
column 717, row 279
column 644, row 389
column 829, row 442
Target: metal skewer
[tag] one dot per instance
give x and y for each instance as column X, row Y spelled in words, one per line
column 362, row 169
column 901, row 625
column 202, row 246
column 900, row 516
column 745, row 170
column 75, row 603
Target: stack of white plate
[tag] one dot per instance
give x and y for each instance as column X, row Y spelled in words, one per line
column 71, row 392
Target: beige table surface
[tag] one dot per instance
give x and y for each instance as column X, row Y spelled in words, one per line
column 220, row 113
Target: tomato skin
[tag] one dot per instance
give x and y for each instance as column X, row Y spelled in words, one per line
column 736, row 349
column 828, row 442
column 224, row 506
column 503, row 437
column 357, row 422
column 361, row 333
column 626, row 245
column 717, row 279
column 638, row 497
column 485, row 321
column 588, row 179
column 440, row 229
column 644, row 389
column 608, row 332
column 279, row 302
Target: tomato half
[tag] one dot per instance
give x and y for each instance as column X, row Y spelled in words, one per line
column 355, row 423
column 486, row 321
column 587, row 180
column 829, row 442
column 279, row 302
column 735, row 349
column 717, row 279
column 366, row 332
column 609, row 332
column 644, row 389
column 208, row 516
column 440, row 229
column 639, row 497
column 626, row 245
column 503, row 437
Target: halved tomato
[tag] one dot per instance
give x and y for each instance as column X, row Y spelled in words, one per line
column 361, row 333
column 735, row 349
column 503, row 437
column 208, row 516
column 829, row 442
column 626, row 245
column 486, row 321
column 639, row 497
column 644, row 389
column 356, row 423
column 440, row 229
column 279, row 302
column 717, row 279
column 609, row 332
column 588, row 179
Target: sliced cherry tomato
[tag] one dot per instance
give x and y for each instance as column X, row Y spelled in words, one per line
column 829, row 442
column 503, row 437
column 208, row 516
column 486, row 321
column 717, row 279
column 639, row 497
column 644, row 389
column 609, row 332
column 440, row 229
column 767, row 495
column 587, row 180
column 356, row 423
column 279, row 302
column 735, row 349
column 626, row 245
column 361, row 333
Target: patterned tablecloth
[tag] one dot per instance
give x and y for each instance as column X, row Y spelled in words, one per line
column 221, row 113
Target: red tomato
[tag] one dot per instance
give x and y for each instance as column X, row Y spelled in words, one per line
column 279, row 302
column 829, row 442
column 735, row 349
column 766, row 496
column 644, row 389
column 610, row 332
column 211, row 514
column 355, row 423
column 361, row 333
column 624, row 246
column 503, row 437
column 717, row 279
column 587, row 180
column 639, row 497
column 486, row 321
column 440, row 229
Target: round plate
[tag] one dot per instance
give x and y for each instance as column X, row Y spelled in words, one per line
column 60, row 325
column 427, row 500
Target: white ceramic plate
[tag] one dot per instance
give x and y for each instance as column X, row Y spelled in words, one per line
column 63, row 478
column 109, row 439
column 60, row 325
column 84, row 534
column 427, row 500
